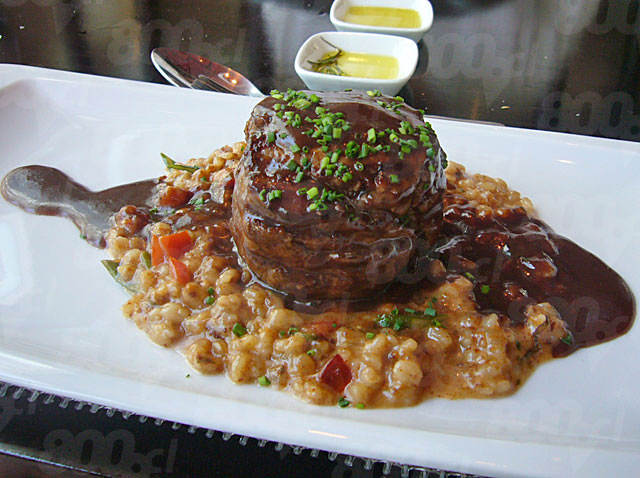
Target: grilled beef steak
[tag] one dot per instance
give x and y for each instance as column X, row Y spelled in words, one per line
column 335, row 191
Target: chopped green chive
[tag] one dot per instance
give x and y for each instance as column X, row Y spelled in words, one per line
column 295, row 148
column 358, row 166
column 430, row 311
column 469, row 276
column 343, row 402
column 275, row 194
column 311, row 353
column 271, row 137
column 360, row 406
column 299, row 177
column 485, row 289
column 238, row 330
column 370, row 335
column 371, row 135
column 393, row 178
column 292, row 165
column 209, row 300
column 313, row 192
column 264, row 381
column 301, row 104
column 346, row 177
column 567, row 339
column 364, row 151
column 263, row 195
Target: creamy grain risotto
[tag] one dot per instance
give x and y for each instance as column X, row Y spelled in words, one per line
column 432, row 344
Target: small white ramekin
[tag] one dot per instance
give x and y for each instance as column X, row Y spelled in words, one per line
column 423, row 7
column 403, row 49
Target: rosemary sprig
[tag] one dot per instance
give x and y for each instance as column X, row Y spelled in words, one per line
column 329, row 63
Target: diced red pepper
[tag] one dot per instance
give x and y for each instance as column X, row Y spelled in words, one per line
column 336, row 374
column 171, row 246
column 175, row 245
column 157, row 254
column 179, row 271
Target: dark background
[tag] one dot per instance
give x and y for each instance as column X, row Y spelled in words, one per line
column 561, row 65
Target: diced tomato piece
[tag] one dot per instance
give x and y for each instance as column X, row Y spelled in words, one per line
column 336, row 373
column 157, row 254
column 179, row 271
column 175, row 245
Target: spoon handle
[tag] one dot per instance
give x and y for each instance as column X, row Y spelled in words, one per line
column 48, row 191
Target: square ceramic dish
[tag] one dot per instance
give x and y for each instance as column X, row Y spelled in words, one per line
column 62, row 330
column 424, row 9
column 404, row 50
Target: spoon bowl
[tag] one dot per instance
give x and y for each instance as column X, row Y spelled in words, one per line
column 193, row 71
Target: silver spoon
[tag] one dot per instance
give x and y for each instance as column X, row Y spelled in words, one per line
column 192, row 71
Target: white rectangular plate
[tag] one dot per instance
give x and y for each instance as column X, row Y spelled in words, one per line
column 61, row 329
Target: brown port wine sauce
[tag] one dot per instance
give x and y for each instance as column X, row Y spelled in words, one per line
column 513, row 260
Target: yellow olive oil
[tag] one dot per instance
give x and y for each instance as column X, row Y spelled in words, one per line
column 365, row 65
column 383, row 17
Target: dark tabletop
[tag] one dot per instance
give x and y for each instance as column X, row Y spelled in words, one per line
column 560, row 65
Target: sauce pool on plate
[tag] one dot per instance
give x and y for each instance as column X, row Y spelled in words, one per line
column 383, row 17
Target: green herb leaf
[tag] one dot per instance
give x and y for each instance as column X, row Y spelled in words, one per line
column 171, row 164
column 146, row 258
column 112, row 268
